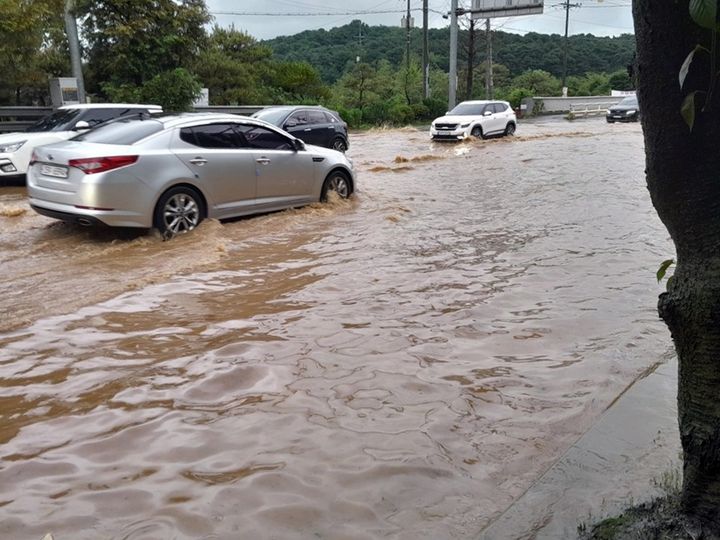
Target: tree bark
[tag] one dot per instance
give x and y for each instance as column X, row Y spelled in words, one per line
column 683, row 177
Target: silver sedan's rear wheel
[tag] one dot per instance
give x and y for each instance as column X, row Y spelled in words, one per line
column 338, row 182
column 178, row 211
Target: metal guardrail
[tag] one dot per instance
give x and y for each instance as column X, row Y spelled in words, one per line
column 589, row 109
column 20, row 118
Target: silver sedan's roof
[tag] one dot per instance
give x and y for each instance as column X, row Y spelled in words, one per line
column 199, row 118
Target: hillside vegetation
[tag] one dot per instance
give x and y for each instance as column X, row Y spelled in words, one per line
column 330, row 51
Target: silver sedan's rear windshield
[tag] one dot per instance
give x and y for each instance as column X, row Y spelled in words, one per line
column 124, row 132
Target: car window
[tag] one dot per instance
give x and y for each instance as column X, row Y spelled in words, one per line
column 96, row 116
column 122, row 132
column 299, row 118
column 61, row 120
column 330, row 119
column 500, row 107
column 212, row 136
column 629, row 102
column 261, row 137
column 468, row 109
column 316, row 117
column 489, row 108
column 272, row 115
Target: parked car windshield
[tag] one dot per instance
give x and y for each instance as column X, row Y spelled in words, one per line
column 468, row 109
column 630, row 101
column 122, row 132
column 62, row 120
column 274, row 116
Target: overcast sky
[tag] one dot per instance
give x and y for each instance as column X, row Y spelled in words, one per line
column 265, row 19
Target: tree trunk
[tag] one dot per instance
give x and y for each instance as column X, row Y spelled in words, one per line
column 683, row 177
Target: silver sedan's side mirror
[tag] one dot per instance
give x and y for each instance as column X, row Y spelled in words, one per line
column 80, row 125
column 298, row 145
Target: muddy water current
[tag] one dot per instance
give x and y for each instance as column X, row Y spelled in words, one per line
column 401, row 365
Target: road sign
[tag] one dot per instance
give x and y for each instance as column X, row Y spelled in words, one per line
column 487, row 9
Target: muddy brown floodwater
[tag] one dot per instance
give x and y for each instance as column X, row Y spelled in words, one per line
column 403, row 365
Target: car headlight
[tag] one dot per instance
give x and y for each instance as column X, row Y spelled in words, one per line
column 11, row 147
column 631, row 111
column 465, row 125
column 608, row 111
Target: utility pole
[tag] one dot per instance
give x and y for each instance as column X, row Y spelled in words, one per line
column 425, row 55
column 489, row 90
column 407, row 38
column 469, row 75
column 453, row 54
column 360, row 42
column 74, row 46
column 566, row 5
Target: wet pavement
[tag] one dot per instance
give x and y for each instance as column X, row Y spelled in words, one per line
column 403, row 365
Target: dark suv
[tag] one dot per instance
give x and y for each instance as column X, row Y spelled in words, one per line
column 314, row 125
column 628, row 110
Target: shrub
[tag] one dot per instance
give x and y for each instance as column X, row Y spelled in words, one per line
column 436, row 107
column 401, row 114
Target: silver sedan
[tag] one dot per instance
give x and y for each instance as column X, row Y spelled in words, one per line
column 172, row 172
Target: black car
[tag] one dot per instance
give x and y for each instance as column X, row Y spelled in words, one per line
column 314, row 125
column 628, row 110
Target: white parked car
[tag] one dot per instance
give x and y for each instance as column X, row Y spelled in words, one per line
column 477, row 119
column 66, row 122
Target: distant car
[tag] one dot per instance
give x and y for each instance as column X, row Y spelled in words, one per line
column 66, row 122
column 475, row 119
column 628, row 110
column 171, row 172
column 314, row 125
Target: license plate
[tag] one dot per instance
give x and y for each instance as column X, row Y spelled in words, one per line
column 51, row 170
column 617, row 116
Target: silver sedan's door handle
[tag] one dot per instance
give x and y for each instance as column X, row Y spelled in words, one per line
column 198, row 161
column 263, row 160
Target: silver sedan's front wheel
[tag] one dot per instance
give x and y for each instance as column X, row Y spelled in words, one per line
column 337, row 182
column 178, row 211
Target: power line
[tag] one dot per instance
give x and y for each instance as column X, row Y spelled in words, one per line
column 309, row 14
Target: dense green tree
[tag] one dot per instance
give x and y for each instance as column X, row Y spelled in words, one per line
column 32, row 48
column 539, row 82
column 299, row 82
column 591, row 84
column 175, row 90
column 233, row 67
column 620, row 80
column 130, row 42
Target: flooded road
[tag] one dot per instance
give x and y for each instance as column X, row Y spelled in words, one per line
column 402, row 365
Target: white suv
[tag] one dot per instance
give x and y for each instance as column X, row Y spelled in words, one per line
column 477, row 119
column 66, row 122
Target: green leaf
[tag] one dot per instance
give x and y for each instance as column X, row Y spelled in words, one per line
column 686, row 64
column 704, row 13
column 663, row 269
column 687, row 109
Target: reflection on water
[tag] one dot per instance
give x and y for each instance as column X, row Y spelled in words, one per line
column 403, row 365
